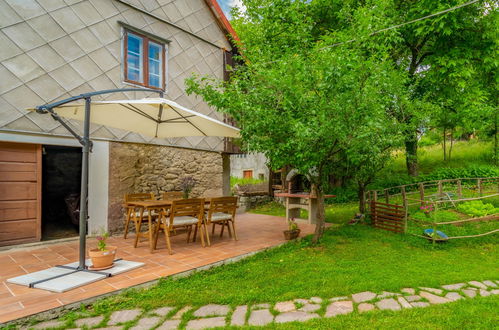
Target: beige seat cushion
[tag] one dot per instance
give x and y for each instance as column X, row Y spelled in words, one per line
column 184, row 221
column 220, row 216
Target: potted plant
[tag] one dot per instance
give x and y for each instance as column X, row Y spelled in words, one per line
column 186, row 185
column 293, row 230
column 103, row 256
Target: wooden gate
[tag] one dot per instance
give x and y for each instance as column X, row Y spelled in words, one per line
column 388, row 216
column 20, row 193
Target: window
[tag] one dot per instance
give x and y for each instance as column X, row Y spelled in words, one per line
column 248, row 174
column 144, row 61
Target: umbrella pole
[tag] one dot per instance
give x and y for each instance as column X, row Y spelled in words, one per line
column 84, row 185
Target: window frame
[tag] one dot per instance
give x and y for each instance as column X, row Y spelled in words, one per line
column 145, row 60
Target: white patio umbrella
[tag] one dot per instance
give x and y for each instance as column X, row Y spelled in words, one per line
column 156, row 117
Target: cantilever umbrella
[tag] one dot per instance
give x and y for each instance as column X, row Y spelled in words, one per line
column 155, row 117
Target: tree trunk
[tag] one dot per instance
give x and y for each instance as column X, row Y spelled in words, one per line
column 445, row 147
column 451, row 143
column 321, row 216
column 496, row 146
column 411, row 153
column 362, row 198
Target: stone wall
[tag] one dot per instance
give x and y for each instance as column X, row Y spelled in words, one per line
column 149, row 168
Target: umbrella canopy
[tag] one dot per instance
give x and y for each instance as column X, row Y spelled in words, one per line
column 156, row 117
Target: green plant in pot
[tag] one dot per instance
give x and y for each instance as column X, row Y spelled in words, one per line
column 293, row 230
column 103, row 256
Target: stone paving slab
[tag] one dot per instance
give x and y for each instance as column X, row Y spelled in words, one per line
column 433, row 299
column 123, row 316
column 309, row 308
column 146, row 323
column 453, row 287
column 363, row 296
column 453, row 296
column 484, row 293
column 365, row 307
column 432, row 290
column 478, row 284
column 206, row 323
column 261, row 306
column 295, row 316
column 316, row 300
column 260, row 317
column 390, row 304
column 178, row 315
column 386, row 294
column 239, row 315
column 489, row 283
column 89, row 321
column 301, row 301
column 403, row 302
column 469, row 293
column 412, row 298
column 162, row 311
column 212, row 310
column 169, row 325
column 420, row 304
column 339, row 308
column 285, row 306
column 408, row 290
column 338, row 299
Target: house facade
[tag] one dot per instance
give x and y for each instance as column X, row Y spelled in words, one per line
column 54, row 49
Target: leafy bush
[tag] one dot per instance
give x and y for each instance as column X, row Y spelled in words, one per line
column 477, row 208
column 473, row 171
column 243, row 181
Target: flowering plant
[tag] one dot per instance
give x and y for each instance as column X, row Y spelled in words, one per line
column 101, row 241
column 427, row 209
column 187, row 184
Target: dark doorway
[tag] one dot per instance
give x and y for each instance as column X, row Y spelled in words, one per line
column 61, row 182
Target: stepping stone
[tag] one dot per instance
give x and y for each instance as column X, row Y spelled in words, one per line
column 363, row 296
column 285, row 306
column 469, row 293
column 453, row 296
column 295, row 316
column 412, row 298
column 316, row 300
column 169, row 325
column 90, row 322
column 260, row 317
column 48, row 324
column 212, row 310
column 124, row 316
column 453, row 287
column 338, row 308
column 494, row 291
column 408, row 290
column 301, row 301
column 210, row 322
column 338, row 299
column 261, row 306
column 365, row 307
column 484, row 293
column 478, row 284
column 110, row 328
column 433, row 299
column 162, row 311
column 390, row 304
column 146, row 323
column 181, row 312
column 386, row 294
column 403, row 302
column 489, row 283
column 239, row 315
column 420, row 304
column 432, row 290
column 310, row 308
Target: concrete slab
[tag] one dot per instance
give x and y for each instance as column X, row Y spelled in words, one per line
column 38, row 276
column 70, row 281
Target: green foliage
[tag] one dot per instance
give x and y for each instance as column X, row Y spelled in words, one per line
column 477, row 208
column 437, row 216
column 243, row 181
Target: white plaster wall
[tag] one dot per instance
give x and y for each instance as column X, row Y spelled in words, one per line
column 98, row 186
column 252, row 161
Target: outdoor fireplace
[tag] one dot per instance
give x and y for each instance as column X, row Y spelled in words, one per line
column 300, row 195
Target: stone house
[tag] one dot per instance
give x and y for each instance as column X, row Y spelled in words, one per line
column 53, row 49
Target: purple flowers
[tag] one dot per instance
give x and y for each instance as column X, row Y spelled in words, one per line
column 186, row 184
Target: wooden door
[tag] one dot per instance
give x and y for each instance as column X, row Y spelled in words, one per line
column 20, row 193
column 248, row 174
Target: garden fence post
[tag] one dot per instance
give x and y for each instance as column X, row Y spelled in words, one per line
column 459, row 189
column 479, row 187
column 404, row 201
column 387, row 196
column 440, row 189
column 421, row 193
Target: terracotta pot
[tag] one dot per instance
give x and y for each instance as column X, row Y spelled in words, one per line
column 102, row 259
column 291, row 234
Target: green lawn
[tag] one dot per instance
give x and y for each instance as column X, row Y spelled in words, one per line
column 349, row 259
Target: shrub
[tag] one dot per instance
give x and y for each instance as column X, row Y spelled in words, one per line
column 477, row 208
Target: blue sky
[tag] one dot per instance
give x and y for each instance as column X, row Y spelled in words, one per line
column 228, row 4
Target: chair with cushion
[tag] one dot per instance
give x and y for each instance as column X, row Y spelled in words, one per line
column 222, row 211
column 172, row 195
column 132, row 214
column 183, row 213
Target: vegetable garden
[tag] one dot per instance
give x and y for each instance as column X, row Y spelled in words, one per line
column 438, row 210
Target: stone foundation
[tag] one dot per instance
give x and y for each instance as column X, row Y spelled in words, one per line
column 249, row 202
column 135, row 168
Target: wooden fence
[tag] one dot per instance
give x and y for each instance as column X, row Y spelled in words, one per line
column 389, row 216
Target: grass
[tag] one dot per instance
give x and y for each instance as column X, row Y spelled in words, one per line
column 243, row 181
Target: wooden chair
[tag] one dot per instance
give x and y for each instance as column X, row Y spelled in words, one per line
column 172, row 195
column 132, row 214
column 183, row 213
column 222, row 212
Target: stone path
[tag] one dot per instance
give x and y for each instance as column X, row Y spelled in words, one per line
column 299, row 310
